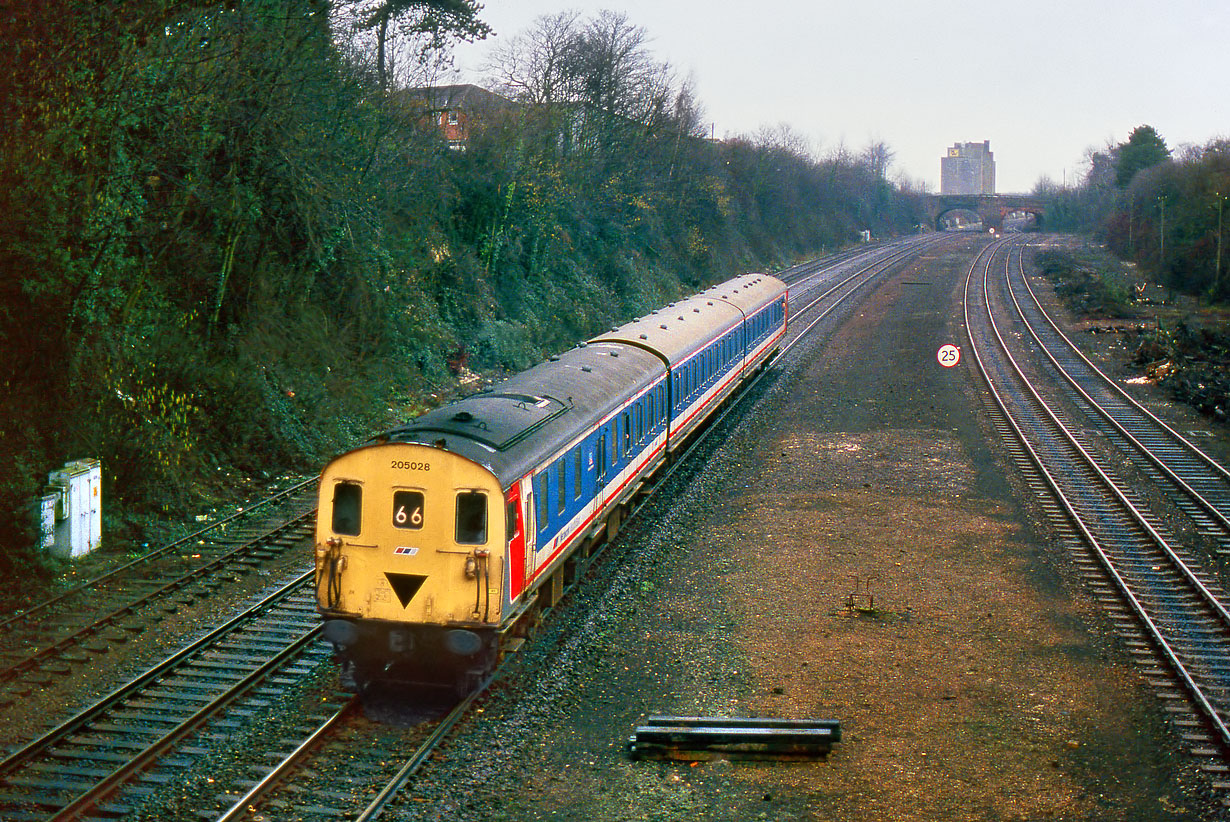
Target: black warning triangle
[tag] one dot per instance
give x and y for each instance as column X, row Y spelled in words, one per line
column 405, row 585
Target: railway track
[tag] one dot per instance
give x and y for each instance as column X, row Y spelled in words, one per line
column 121, row 751
column 820, row 289
column 375, row 769
column 1166, row 606
column 55, row 637
column 1197, row 483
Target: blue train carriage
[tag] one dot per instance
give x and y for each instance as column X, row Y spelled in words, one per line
column 711, row 343
column 437, row 541
column 434, row 539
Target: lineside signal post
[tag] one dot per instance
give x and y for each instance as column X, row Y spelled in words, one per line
column 948, row 355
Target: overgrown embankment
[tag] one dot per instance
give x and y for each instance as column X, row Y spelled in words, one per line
column 1194, row 363
column 1188, row 356
column 233, row 245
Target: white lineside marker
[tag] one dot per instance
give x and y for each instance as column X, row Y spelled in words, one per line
column 948, row 355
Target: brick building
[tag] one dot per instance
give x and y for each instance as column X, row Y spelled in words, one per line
column 456, row 109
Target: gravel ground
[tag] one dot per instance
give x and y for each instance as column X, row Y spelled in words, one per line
column 983, row 685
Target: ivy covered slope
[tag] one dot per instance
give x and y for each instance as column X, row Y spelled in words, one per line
column 232, row 240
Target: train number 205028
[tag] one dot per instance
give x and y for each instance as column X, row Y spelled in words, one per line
column 411, row 466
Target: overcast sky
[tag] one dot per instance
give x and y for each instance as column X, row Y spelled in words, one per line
column 1043, row 80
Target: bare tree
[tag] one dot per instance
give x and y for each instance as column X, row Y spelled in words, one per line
column 535, row 65
column 877, row 158
column 782, row 137
column 616, row 71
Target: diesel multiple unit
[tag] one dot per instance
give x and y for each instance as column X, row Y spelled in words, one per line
column 438, row 541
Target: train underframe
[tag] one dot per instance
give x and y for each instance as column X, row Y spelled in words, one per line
column 459, row 656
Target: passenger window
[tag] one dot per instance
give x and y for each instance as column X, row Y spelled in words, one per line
column 408, row 509
column 472, row 518
column 561, row 485
column 627, row 433
column 347, row 508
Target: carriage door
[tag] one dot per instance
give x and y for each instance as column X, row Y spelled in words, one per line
column 515, row 536
column 601, row 461
column 531, row 527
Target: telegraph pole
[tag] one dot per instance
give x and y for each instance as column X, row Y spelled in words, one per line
column 1217, row 269
column 1161, row 235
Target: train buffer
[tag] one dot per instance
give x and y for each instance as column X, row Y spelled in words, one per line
column 698, row 738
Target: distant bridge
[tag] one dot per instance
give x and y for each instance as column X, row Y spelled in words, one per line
column 992, row 208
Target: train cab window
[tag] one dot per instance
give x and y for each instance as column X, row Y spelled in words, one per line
column 471, row 518
column 408, row 509
column 347, row 508
column 561, row 496
column 510, row 521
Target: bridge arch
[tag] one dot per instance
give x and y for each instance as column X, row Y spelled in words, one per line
column 991, row 208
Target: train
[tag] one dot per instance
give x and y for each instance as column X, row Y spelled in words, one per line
column 440, row 542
